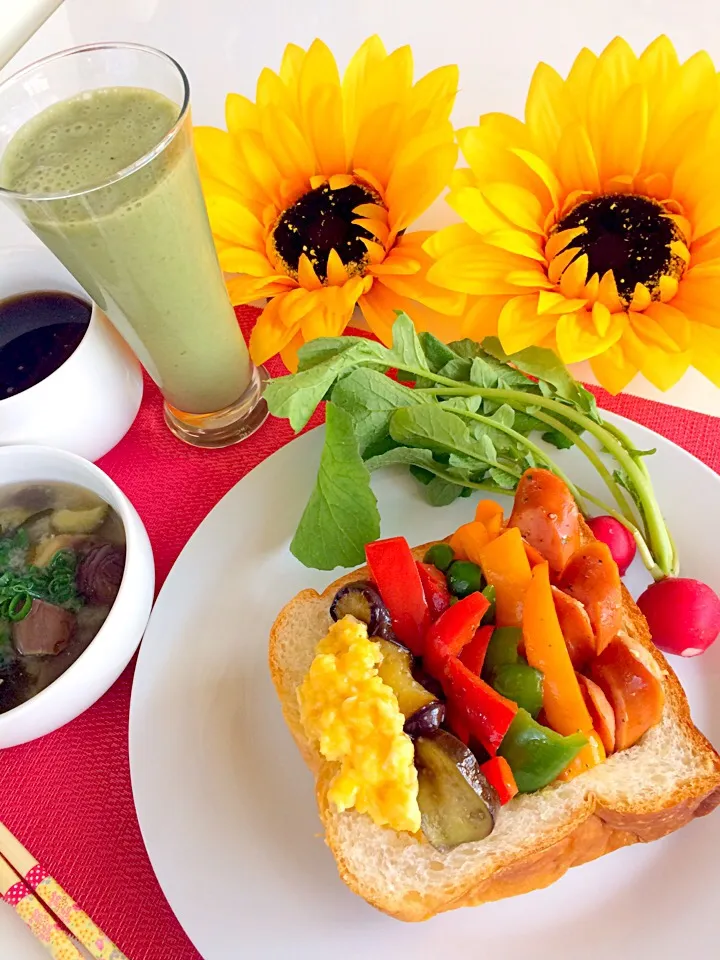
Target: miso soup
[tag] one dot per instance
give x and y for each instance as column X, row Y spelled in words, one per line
column 62, row 557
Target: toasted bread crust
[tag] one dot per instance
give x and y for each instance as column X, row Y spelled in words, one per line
column 594, row 830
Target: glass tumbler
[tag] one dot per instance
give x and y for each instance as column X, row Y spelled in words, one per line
column 96, row 156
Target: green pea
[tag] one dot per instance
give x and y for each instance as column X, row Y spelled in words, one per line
column 440, row 555
column 522, row 684
column 464, row 578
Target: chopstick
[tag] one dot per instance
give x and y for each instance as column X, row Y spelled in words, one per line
column 43, row 925
column 98, row 944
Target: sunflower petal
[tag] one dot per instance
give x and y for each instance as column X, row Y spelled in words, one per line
column 641, row 297
column 292, row 154
column 307, row 278
column 369, row 54
column 622, row 151
column 543, row 172
column 416, row 285
column 520, row 326
column 615, row 70
column 576, row 163
column 516, row 241
column 578, row 80
column 241, row 114
column 545, row 110
column 336, row 273
column 665, row 326
column 245, row 289
column 233, row 222
column 376, row 251
column 705, row 350
column 608, row 292
column 481, row 269
column 413, row 187
column 578, row 337
column 448, row 238
column 572, row 281
column 613, row 368
column 321, row 107
column 396, row 264
column 559, row 240
column 518, row 205
column 550, row 301
column 242, row 260
column 480, row 320
column 560, row 263
column 379, row 230
column 477, row 213
column 269, row 334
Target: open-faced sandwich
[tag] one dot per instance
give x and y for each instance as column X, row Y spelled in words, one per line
column 482, row 714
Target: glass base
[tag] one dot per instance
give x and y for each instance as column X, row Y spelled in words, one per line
column 225, row 427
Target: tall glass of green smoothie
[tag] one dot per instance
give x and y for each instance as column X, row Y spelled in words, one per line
column 96, row 156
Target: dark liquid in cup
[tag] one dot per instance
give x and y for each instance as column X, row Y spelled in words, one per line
column 38, row 332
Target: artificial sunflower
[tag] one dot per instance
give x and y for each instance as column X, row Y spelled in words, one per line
column 594, row 226
column 312, row 188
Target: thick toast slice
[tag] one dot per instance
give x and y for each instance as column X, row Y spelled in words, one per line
column 637, row 795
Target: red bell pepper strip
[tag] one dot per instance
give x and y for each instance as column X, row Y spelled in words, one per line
column 437, row 595
column 499, row 775
column 487, row 714
column 456, row 723
column 396, row 576
column 473, row 655
column 452, row 631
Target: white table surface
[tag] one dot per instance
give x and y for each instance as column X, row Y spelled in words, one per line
column 224, row 44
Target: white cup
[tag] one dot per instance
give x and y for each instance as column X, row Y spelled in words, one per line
column 88, row 404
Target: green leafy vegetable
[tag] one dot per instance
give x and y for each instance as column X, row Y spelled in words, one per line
column 54, row 583
column 470, row 422
column 342, row 514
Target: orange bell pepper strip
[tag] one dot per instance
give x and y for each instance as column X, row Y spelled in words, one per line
column 505, row 565
column 490, row 514
column 468, row 540
column 534, row 556
column 590, row 756
column 545, row 649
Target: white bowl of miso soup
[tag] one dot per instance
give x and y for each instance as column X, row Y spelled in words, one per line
column 77, row 582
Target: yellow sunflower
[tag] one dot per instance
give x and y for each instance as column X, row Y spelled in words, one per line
column 594, row 226
column 313, row 186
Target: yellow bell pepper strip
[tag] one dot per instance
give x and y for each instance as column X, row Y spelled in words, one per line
column 505, row 566
column 589, row 757
column 545, row 649
column 468, row 540
column 490, row 514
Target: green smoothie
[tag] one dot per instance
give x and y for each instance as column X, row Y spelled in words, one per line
column 140, row 244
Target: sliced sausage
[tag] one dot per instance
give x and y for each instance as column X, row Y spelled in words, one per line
column 592, row 577
column 547, row 516
column 633, row 690
column 602, row 713
column 576, row 628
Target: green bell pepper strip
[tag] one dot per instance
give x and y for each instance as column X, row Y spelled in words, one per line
column 521, row 683
column 502, row 649
column 536, row 754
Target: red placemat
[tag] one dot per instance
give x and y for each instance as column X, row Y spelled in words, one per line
column 67, row 797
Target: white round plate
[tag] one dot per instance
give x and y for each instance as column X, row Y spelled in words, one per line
column 227, row 807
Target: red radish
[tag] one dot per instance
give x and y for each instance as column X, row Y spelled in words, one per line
column 617, row 537
column 683, row 615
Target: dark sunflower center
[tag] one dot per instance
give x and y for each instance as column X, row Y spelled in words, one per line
column 630, row 235
column 321, row 221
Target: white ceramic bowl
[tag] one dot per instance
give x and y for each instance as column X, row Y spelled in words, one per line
column 87, row 405
column 107, row 655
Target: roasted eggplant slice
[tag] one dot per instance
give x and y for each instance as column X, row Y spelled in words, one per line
column 426, row 721
column 457, row 803
column 362, row 601
column 396, row 671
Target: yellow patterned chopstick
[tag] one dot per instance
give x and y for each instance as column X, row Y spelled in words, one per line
column 43, row 926
column 62, row 905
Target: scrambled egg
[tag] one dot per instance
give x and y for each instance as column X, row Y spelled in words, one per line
column 355, row 718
